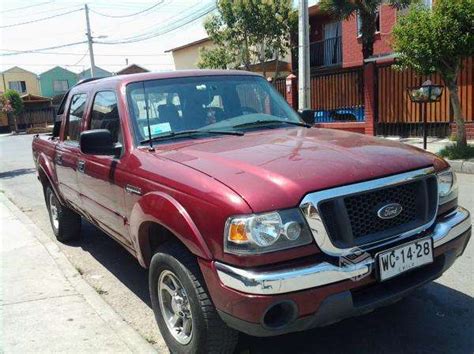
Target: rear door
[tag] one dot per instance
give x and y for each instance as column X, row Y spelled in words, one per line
column 67, row 150
column 100, row 177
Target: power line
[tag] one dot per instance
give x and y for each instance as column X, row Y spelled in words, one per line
column 43, row 49
column 165, row 29
column 129, row 15
column 40, row 19
column 101, row 64
column 19, row 52
column 25, row 7
column 82, row 58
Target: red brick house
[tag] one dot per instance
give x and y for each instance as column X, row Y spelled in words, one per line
column 372, row 98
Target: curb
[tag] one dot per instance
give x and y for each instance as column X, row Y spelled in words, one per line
column 462, row 166
column 135, row 342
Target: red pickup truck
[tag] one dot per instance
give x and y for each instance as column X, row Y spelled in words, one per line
column 248, row 218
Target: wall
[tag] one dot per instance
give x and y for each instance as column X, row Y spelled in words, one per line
column 47, row 80
column 99, row 72
column 188, row 57
column 18, row 74
column 352, row 46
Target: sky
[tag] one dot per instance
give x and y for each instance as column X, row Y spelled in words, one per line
column 160, row 25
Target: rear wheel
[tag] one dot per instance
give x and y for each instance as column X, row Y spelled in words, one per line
column 187, row 319
column 66, row 223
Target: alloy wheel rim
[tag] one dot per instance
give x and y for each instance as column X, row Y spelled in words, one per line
column 175, row 307
column 54, row 211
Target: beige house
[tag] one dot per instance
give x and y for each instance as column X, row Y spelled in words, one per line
column 187, row 57
column 21, row 80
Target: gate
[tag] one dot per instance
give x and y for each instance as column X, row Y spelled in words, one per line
column 338, row 96
column 397, row 115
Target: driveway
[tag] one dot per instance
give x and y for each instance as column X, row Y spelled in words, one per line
column 438, row 318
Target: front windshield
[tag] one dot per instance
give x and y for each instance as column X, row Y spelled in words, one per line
column 206, row 104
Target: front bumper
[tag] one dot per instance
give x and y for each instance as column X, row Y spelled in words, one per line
column 288, row 280
column 323, row 293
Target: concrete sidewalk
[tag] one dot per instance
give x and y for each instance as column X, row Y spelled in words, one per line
column 434, row 145
column 45, row 305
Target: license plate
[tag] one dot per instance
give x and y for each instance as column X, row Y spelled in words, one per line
column 403, row 258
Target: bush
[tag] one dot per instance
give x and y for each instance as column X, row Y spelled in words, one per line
column 15, row 101
column 457, row 152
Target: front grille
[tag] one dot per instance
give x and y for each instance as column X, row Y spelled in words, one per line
column 352, row 220
column 362, row 209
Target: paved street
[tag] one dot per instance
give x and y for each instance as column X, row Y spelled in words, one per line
column 438, row 318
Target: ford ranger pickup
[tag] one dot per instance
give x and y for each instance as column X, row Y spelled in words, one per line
column 248, row 217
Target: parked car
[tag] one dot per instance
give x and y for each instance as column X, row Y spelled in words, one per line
column 248, row 218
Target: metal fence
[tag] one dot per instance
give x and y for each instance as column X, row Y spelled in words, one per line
column 338, row 96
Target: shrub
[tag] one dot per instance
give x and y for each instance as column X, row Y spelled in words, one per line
column 457, row 152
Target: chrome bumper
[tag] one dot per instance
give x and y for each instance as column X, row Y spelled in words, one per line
column 284, row 281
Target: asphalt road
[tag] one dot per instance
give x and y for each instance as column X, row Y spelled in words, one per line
column 438, row 318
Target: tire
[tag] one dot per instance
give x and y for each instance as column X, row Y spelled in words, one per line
column 209, row 334
column 66, row 223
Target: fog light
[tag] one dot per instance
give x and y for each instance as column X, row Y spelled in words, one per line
column 292, row 230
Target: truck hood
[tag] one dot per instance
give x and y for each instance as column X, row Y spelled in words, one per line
column 276, row 168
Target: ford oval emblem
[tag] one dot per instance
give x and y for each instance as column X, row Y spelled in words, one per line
column 389, row 211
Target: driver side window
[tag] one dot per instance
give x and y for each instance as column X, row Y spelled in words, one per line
column 105, row 114
column 74, row 118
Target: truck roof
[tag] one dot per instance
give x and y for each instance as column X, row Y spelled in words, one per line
column 128, row 78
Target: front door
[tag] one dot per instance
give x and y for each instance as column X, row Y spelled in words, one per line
column 67, row 151
column 102, row 190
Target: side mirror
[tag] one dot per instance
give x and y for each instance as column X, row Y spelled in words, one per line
column 98, row 142
column 56, row 128
column 307, row 115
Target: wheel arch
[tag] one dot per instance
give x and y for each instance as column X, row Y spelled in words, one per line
column 157, row 218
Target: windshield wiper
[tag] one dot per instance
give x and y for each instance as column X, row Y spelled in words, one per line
column 273, row 121
column 186, row 133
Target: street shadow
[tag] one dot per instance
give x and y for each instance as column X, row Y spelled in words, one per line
column 433, row 319
column 16, row 173
column 115, row 259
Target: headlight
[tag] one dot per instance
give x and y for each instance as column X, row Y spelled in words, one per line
column 267, row 232
column 447, row 186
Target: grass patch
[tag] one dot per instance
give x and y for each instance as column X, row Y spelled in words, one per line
column 79, row 270
column 456, row 152
column 100, row 291
column 149, row 339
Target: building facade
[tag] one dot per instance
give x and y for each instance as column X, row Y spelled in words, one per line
column 99, row 72
column 20, row 80
column 56, row 81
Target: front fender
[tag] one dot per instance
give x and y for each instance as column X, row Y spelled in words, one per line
column 160, row 208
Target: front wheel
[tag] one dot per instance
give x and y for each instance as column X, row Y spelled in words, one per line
column 187, row 319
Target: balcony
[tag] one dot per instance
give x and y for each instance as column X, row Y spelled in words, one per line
column 323, row 53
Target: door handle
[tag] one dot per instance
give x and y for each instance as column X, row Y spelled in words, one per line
column 58, row 159
column 81, row 166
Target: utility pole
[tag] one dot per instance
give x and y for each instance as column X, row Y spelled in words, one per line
column 303, row 56
column 89, row 41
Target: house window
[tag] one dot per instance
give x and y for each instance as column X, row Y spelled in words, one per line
column 359, row 23
column 19, row 86
column 60, row 85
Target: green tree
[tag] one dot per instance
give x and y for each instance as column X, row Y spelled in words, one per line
column 15, row 107
column 438, row 40
column 367, row 11
column 15, row 101
column 246, row 32
column 215, row 58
